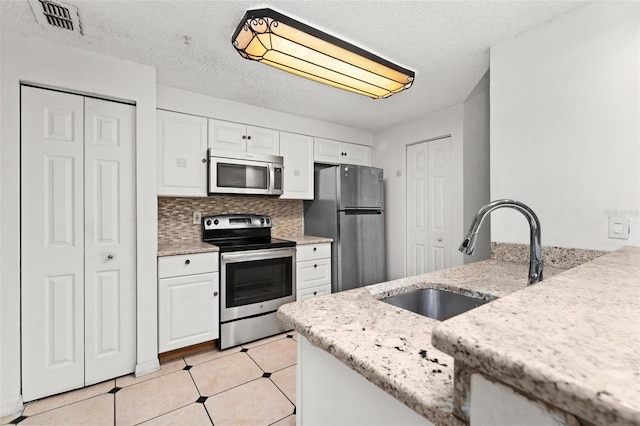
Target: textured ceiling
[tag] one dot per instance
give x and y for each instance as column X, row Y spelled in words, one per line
column 446, row 44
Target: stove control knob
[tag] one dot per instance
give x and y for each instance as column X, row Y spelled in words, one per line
column 208, row 222
column 268, row 220
column 262, row 220
column 216, row 221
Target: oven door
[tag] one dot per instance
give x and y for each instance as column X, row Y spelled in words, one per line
column 256, row 282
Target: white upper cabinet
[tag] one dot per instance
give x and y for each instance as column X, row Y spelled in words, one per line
column 182, row 154
column 297, row 151
column 336, row 152
column 229, row 136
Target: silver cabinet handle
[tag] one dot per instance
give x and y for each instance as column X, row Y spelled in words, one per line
column 110, row 256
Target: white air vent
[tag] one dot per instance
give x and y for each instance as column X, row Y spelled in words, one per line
column 56, row 14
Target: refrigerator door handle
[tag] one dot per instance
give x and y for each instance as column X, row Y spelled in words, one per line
column 349, row 211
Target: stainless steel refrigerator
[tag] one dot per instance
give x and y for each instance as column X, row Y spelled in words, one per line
column 349, row 207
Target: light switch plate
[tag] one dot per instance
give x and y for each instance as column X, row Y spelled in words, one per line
column 197, row 217
column 619, row 227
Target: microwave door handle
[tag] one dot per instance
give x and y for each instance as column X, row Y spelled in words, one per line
column 271, row 179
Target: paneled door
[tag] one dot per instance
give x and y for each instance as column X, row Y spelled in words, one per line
column 428, row 206
column 77, row 245
column 109, row 240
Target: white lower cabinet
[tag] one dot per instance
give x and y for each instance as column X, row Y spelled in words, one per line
column 313, row 270
column 188, row 300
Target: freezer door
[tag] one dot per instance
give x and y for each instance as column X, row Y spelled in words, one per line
column 360, row 186
column 360, row 248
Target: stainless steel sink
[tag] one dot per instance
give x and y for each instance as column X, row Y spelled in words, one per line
column 434, row 303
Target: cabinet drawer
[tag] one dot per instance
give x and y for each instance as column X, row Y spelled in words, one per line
column 313, row 251
column 187, row 264
column 312, row 273
column 308, row 293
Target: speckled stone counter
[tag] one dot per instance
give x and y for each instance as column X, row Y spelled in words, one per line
column 391, row 347
column 305, row 239
column 185, row 247
column 572, row 341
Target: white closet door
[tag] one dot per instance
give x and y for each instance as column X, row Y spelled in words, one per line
column 429, row 242
column 439, row 202
column 52, row 242
column 109, row 233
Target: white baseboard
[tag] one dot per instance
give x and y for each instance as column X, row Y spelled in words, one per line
column 147, row 367
column 11, row 405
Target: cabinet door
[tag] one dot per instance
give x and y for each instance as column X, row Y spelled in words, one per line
column 188, row 310
column 356, row 154
column 327, row 151
column 182, row 154
column 227, row 136
column 297, row 151
column 263, row 141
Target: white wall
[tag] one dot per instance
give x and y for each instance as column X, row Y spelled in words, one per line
column 174, row 99
column 565, row 134
column 389, row 153
column 37, row 61
column 468, row 126
column 476, row 165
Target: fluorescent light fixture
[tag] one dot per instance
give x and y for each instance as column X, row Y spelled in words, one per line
column 274, row 39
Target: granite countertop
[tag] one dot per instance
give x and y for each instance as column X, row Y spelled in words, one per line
column 305, row 239
column 572, row 340
column 391, row 347
column 185, row 247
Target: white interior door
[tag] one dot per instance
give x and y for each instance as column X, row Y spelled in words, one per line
column 439, row 201
column 109, row 233
column 52, row 259
column 428, row 206
column 78, row 241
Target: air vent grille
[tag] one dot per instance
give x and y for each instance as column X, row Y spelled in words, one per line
column 56, row 14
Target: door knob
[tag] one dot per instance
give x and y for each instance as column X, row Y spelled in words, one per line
column 187, row 261
column 215, row 293
column 204, row 160
column 110, row 256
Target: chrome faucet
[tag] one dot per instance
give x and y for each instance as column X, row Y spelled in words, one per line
column 535, row 261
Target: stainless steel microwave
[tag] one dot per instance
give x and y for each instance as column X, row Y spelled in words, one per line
column 244, row 173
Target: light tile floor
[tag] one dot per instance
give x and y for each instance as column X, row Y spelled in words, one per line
column 252, row 384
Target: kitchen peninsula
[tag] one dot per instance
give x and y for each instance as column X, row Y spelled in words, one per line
column 592, row 374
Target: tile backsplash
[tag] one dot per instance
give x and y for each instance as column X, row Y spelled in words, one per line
column 175, row 214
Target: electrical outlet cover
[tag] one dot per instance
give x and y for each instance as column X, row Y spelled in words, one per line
column 619, row 227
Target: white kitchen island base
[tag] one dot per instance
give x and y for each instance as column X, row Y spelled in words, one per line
column 330, row 393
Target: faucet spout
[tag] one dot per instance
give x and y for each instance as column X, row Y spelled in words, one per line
column 535, row 261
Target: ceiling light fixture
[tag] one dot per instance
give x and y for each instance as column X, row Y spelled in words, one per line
column 274, row 39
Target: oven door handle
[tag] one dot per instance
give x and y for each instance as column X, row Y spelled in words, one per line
column 247, row 256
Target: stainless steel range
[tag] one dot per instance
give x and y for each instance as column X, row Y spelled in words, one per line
column 257, row 276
